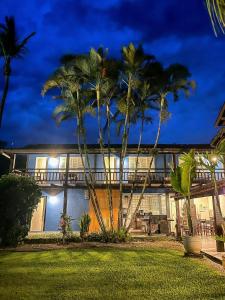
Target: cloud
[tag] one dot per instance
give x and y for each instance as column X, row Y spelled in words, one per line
column 174, row 31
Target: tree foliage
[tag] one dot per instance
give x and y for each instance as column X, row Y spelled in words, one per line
column 19, row 196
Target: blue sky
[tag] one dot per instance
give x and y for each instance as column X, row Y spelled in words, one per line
column 174, row 31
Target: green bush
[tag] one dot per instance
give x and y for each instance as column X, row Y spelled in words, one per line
column 50, row 238
column 19, row 196
column 110, row 236
column 84, row 225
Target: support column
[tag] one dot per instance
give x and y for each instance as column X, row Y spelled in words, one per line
column 168, row 211
column 217, row 224
column 178, row 222
column 65, row 190
column 12, row 163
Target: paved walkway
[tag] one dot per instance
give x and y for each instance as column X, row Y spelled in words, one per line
column 209, row 249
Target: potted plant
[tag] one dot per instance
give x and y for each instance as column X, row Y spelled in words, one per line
column 181, row 181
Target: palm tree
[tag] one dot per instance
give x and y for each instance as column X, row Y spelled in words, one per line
column 10, row 48
column 181, row 181
column 210, row 161
column 75, row 106
column 164, row 82
column 216, row 10
column 134, row 61
column 100, row 76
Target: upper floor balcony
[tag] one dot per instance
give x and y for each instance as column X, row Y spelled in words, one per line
column 78, row 177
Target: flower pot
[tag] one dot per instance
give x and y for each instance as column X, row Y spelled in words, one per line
column 192, row 244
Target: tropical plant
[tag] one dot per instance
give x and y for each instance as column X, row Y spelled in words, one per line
column 19, row 196
column 76, row 104
column 210, row 161
column 216, row 10
column 121, row 92
column 84, row 225
column 181, row 181
column 10, row 48
column 164, row 82
column 65, row 227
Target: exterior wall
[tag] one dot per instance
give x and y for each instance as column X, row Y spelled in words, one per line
column 103, row 203
column 77, row 204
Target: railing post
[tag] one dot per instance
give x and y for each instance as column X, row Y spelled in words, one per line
column 65, row 185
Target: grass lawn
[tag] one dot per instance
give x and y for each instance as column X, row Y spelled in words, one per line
column 102, row 273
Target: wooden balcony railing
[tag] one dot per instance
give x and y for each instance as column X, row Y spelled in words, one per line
column 76, row 176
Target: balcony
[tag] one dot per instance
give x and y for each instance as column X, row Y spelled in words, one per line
column 76, row 177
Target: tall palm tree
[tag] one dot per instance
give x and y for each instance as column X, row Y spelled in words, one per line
column 164, row 82
column 216, row 10
column 10, row 48
column 75, row 106
column 100, row 75
column 134, row 61
column 210, row 161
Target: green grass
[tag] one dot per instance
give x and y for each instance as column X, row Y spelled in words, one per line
column 107, row 274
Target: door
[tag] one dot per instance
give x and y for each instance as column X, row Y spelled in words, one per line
column 110, row 165
column 37, row 221
column 40, row 168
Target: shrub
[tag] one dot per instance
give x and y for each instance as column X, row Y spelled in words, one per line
column 65, row 227
column 19, row 196
column 84, row 224
column 110, row 236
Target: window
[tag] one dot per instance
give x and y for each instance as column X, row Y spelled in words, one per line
column 41, row 163
column 110, row 163
column 75, row 162
column 143, row 162
column 62, row 162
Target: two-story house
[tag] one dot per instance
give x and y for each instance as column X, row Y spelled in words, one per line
column 59, row 172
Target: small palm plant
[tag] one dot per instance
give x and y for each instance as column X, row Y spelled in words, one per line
column 181, row 181
column 84, row 224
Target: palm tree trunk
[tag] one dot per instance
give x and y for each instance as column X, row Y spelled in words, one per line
column 150, row 165
column 123, row 153
column 6, row 88
column 109, row 192
column 90, row 184
column 90, row 187
column 135, row 172
column 189, row 219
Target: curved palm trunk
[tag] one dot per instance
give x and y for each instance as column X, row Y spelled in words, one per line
column 90, row 186
column 123, row 154
column 150, row 165
column 6, row 88
column 135, row 173
column 218, row 217
column 189, row 219
column 107, row 176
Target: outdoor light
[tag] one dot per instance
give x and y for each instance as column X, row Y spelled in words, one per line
column 214, row 159
column 53, row 200
column 53, row 162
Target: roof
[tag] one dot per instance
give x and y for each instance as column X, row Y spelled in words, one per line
column 218, row 137
column 220, row 121
column 94, row 148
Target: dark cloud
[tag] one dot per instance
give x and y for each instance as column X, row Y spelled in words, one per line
column 174, row 31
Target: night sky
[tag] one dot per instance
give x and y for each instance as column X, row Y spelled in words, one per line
column 174, row 31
